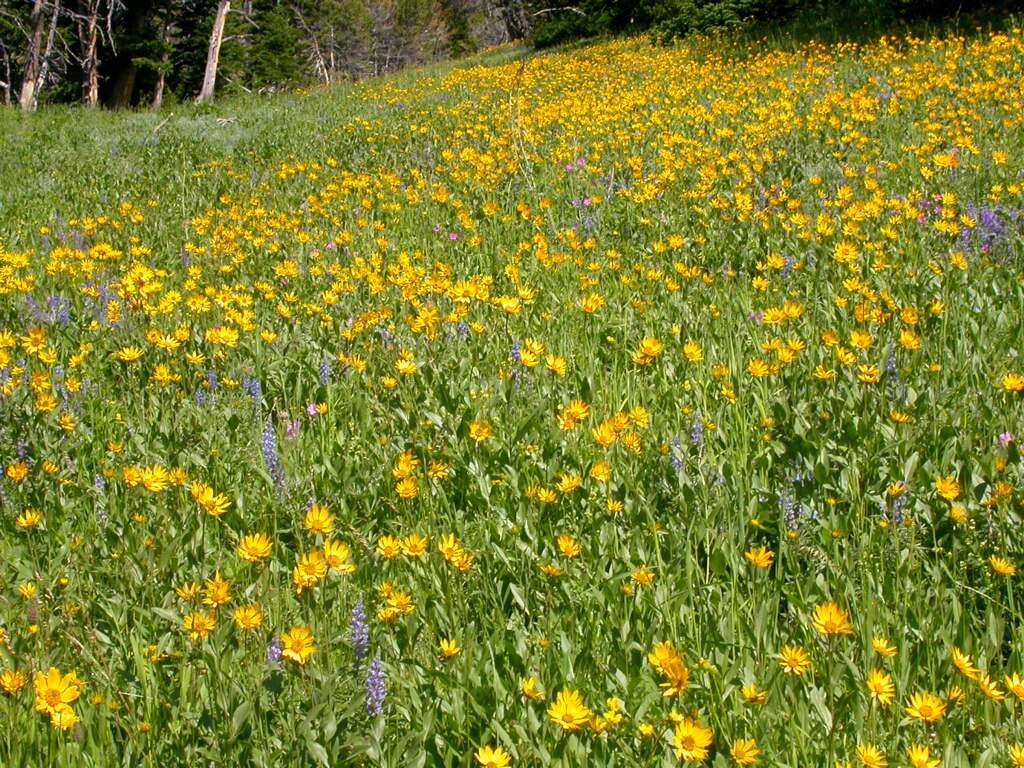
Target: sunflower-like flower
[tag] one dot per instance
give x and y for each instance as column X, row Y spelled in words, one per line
column 926, row 707
column 831, row 621
column 569, row 712
column 692, row 740
column 298, row 644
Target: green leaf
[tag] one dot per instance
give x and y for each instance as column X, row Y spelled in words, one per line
column 317, row 751
column 241, row 716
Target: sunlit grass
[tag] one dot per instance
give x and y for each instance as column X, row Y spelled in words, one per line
column 624, row 405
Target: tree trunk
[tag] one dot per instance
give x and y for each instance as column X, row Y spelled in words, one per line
column 158, row 92
column 124, row 87
column 315, row 53
column 165, row 65
column 90, row 61
column 332, row 75
column 44, row 66
column 212, row 57
column 517, row 25
column 133, row 25
column 7, row 73
column 33, row 56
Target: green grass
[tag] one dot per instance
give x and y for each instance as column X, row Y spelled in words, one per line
column 340, row 277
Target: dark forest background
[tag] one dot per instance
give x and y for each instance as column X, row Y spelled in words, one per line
column 145, row 53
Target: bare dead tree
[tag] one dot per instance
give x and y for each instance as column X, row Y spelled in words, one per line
column 213, row 54
column 5, row 84
column 423, row 39
column 45, row 58
column 384, row 14
column 162, row 69
column 486, row 25
column 33, row 55
column 313, row 52
column 88, row 20
column 331, row 52
column 563, row 9
column 513, row 14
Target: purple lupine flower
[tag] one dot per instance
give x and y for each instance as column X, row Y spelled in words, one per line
column 677, row 458
column 788, row 265
column 376, row 689
column 965, row 238
column 897, row 508
column 517, row 359
column 991, row 228
column 697, row 430
column 62, row 312
column 254, row 388
column 34, row 312
column 200, row 397
column 325, row 372
column 891, row 367
column 270, row 455
column 99, row 484
column 359, row 631
column 790, row 510
column 274, row 652
column 895, row 387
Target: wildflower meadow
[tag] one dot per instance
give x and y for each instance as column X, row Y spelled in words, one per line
column 622, row 405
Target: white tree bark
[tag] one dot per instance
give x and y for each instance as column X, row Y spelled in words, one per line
column 6, row 84
column 33, row 57
column 44, row 66
column 213, row 56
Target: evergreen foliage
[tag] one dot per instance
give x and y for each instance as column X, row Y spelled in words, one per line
column 155, row 51
column 556, row 21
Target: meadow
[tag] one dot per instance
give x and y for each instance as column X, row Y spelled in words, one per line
column 624, row 405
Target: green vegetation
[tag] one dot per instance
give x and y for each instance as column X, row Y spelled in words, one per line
column 626, row 404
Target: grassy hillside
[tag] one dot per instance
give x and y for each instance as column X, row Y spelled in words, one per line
column 624, row 405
